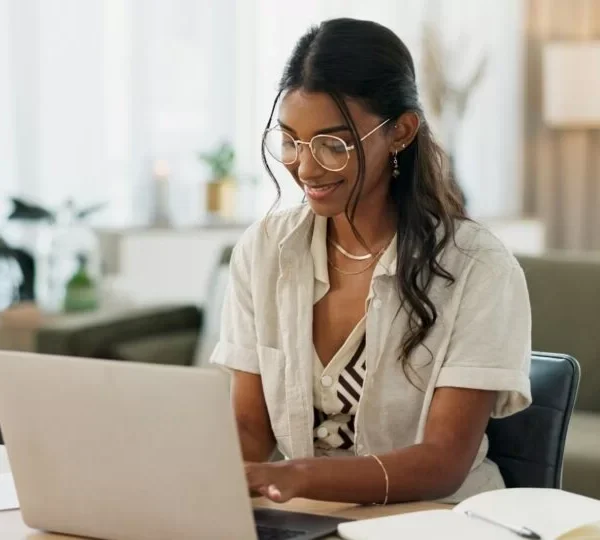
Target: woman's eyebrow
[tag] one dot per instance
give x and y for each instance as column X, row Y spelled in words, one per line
column 324, row 131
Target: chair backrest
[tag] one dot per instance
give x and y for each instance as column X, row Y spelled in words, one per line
column 528, row 447
column 209, row 334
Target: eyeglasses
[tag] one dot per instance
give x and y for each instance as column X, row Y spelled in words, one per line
column 329, row 151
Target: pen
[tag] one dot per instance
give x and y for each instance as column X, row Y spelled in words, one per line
column 523, row 532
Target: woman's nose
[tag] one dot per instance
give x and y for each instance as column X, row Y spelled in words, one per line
column 308, row 166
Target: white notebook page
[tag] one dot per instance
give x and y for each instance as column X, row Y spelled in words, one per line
column 548, row 512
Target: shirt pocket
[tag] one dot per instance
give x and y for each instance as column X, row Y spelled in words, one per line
column 272, row 372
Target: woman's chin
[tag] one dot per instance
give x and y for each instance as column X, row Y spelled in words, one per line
column 327, row 204
column 326, row 209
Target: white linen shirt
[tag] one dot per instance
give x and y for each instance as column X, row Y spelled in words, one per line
column 481, row 339
column 326, row 380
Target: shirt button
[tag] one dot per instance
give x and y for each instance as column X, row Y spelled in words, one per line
column 322, row 432
column 377, row 303
column 326, row 381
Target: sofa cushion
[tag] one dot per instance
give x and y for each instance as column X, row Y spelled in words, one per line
column 582, row 455
column 175, row 348
column 96, row 334
column 564, row 289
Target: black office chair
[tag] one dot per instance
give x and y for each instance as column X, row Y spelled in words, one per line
column 528, row 447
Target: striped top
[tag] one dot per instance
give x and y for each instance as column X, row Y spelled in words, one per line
column 337, row 388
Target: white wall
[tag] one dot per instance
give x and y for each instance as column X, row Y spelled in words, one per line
column 182, row 93
column 490, row 142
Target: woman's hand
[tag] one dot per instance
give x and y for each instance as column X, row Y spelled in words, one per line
column 279, row 482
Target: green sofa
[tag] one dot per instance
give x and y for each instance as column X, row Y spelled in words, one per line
column 565, row 298
column 564, row 289
column 162, row 334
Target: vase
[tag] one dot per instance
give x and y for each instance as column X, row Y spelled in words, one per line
column 68, row 272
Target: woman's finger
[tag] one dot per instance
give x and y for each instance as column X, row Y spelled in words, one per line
column 274, row 493
column 264, row 491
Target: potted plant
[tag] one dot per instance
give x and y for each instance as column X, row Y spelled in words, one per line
column 65, row 250
column 221, row 188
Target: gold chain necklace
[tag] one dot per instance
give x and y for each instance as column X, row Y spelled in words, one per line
column 350, row 255
column 355, row 273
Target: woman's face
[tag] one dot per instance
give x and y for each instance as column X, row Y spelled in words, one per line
column 304, row 115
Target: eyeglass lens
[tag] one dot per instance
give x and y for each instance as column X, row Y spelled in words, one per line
column 329, row 151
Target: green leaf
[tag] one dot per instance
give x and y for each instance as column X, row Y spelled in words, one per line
column 220, row 160
column 30, row 212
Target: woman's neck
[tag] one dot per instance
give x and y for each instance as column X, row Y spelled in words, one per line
column 375, row 229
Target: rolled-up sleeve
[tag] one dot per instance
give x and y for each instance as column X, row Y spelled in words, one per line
column 236, row 348
column 490, row 346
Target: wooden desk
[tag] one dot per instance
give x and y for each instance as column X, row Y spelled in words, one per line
column 13, row 528
column 346, row 510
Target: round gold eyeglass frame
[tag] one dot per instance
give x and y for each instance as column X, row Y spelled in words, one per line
column 298, row 142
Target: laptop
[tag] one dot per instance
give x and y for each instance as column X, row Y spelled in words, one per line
column 130, row 451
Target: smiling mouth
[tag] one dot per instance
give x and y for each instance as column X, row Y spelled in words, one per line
column 321, row 192
column 322, row 187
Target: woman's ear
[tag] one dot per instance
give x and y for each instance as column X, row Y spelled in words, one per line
column 404, row 131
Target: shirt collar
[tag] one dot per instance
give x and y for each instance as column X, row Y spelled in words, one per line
column 300, row 232
column 318, row 246
column 318, row 249
column 388, row 261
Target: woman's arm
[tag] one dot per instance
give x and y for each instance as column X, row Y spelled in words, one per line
column 253, row 424
column 434, row 469
column 237, row 351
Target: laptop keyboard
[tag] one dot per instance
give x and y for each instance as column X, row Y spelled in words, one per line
column 274, row 533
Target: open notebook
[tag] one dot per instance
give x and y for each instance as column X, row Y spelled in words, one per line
column 552, row 514
column 8, row 493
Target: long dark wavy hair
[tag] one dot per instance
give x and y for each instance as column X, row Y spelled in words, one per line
column 365, row 61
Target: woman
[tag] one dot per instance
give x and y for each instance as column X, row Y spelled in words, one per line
column 372, row 332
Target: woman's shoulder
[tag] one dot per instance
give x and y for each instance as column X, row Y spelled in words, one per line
column 477, row 243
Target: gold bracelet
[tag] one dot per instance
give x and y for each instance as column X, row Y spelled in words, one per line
column 387, row 479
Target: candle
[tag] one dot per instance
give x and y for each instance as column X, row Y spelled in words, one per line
column 161, row 203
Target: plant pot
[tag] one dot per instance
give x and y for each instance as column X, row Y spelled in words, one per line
column 221, row 197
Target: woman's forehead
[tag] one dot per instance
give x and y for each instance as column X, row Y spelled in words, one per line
column 307, row 113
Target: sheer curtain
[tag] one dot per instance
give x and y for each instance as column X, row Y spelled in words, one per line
column 53, row 103
column 93, row 92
